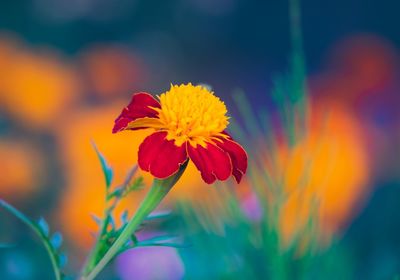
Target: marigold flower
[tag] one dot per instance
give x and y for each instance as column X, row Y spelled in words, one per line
column 190, row 122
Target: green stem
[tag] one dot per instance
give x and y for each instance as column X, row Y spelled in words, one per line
column 158, row 191
column 91, row 260
column 39, row 233
column 94, row 254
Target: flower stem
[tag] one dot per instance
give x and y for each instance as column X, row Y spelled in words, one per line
column 158, row 191
column 39, row 232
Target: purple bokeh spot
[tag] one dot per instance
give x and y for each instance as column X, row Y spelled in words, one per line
column 251, row 208
column 150, row 263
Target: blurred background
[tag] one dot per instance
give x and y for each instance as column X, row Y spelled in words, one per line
column 67, row 68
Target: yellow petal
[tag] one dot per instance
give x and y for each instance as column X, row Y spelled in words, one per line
column 145, row 123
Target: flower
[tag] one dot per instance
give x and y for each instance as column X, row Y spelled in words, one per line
column 82, row 171
column 40, row 86
column 190, row 122
column 23, row 178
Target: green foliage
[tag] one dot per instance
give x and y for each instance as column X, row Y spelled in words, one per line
column 52, row 242
column 106, row 168
column 126, row 238
column 238, row 245
column 109, row 232
column 166, row 241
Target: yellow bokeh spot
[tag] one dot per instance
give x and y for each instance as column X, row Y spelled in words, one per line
column 192, row 113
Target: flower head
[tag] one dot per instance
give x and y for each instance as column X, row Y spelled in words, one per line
column 190, row 122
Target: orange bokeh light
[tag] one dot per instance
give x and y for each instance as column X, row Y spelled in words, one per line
column 324, row 175
column 22, row 167
column 39, row 86
column 368, row 61
column 360, row 67
column 111, row 71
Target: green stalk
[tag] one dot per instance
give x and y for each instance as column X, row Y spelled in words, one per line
column 158, row 191
column 38, row 231
column 91, row 260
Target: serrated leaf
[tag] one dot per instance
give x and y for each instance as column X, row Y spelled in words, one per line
column 44, row 226
column 41, row 229
column 135, row 185
column 56, row 240
column 107, row 170
column 117, row 192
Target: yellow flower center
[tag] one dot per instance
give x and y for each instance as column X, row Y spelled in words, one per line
column 192, row 113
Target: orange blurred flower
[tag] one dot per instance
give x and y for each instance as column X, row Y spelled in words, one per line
column 368, row 61
column 325, row 175
column 9, row 47
column 39, row 87
column 111, row 70
column 360, row 67
column 22, row 168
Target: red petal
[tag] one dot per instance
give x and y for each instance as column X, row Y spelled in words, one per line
column 238, row 156
column 139, row 107
column 161, row 157
column 213, row 162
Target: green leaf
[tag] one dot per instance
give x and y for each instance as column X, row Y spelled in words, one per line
column 41, row 229
column 124, row 217
column 63, row 260
column 112, row 222
column 158, row 191
column 56, row 240
column 162, row 241
column 107, row 170
column 134, row 239
column 159, row 215
column 43, row 225
column 137, row 184
column 117, row 192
